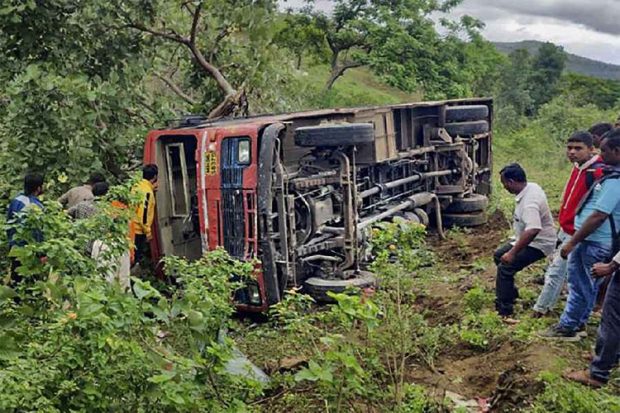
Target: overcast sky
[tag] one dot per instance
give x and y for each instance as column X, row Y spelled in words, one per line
column 589, row 28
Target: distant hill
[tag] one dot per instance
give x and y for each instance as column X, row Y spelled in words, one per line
column 576, row 64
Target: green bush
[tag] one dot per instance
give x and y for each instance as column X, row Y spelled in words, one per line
column 71, row 341
column 561, row 396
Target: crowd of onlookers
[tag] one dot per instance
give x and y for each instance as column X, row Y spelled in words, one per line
column 81, row 202
column 585, row 250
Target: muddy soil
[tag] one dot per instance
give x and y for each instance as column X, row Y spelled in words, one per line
column 503, row 378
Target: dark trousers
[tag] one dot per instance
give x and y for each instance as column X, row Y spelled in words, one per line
column 608, row 340
column 15, row 277
column 505, row 291
column 142, row 249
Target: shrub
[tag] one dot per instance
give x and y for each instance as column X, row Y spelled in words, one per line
column 71, row 341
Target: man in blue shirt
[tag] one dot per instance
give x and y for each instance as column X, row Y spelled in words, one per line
column 33, row 187
column 592, row 243
column 607, row 350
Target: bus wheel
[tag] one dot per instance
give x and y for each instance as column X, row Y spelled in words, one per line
column 318, row 287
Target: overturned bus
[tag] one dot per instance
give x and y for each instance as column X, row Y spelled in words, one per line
column 299, row 192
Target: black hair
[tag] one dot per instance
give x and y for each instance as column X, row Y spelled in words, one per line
column 32, row 181
column 582, row 137
column 513, row 172
column 100, row 188
column 96, row 177
column 612, row 138
column 149, row 171
column 600, row 129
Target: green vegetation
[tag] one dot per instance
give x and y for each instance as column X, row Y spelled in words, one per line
column 71, row 341
column 83, row 81
column 562, row 397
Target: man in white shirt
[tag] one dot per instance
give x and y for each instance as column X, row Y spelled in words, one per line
column 535, row 236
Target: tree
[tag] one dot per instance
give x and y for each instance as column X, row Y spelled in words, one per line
column 73, row 98
column 583, row 90
column 515, row 83
column 300, row 35
column 547, row 68
column 377, row 33
column 206, row 29
column 83, row 80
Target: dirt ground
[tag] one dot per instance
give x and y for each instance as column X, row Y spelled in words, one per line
column 504, row 377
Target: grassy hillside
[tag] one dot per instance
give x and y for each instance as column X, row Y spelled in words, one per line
column 358, row 87
column 576, row 64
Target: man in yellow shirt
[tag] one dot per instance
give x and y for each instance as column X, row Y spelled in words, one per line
column 142, row 222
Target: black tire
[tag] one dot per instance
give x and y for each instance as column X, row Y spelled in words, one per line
column 473, row 203
column 464, row 220
column 335, row 135
column 463, row 113
column 467, row 128
column 318, row 287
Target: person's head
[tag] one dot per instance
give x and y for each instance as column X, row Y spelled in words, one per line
column 100, row 189
column 579, row 147
column 610, row 147
column 598, row 130
column 513, row 178
column 33, row 184
column 149, row 172
column 95, row 177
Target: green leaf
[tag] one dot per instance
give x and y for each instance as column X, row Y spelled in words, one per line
column 163, row 377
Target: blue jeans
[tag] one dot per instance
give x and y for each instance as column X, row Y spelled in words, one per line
column 555, row 276
column 582, row 288
column 608, row 340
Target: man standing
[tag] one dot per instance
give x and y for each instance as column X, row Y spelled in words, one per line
column 607, row 347
column 143, row 220
column 81, row 193
column 597, row 219
column 598, row 130
column 535, row 236
column 33, row 188
column 586, row 170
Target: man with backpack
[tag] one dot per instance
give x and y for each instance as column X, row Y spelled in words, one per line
column 595, row 240
column 587, row 169
column 607, row 347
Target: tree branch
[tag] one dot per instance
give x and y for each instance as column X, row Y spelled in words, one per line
column 176, row 89
column 195, row 21
column 172, row 35
column 233, row 99
column 339, row 71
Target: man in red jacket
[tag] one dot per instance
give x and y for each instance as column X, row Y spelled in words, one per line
column 586, row 170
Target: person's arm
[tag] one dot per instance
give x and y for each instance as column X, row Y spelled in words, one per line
column 590, row 225
column 533, row 225
column 601, row 269
column 524, row 240
column 607, row 201
column 149, row 216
